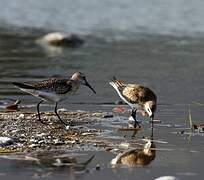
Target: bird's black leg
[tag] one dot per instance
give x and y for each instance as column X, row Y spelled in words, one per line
column 134, row 115
column 59, row 116
column 39, row 119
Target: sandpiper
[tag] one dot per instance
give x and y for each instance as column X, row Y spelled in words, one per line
column 54, row 90
column 137, row 97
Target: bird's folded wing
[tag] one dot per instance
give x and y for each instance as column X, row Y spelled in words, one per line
column 59, row 86
column 133, row 93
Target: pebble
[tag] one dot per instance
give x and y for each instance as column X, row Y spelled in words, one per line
column 58, row 142
column 41, row 135
column 98, row 167
column 20, row 145
column 61, row 39
column 33, row 145
column 87, row 134
column 41, row 142
column 23, row 136
column 124, row 145
column 62, row 110
column 108, row 116
column 21, row 117
column 5, row 141
column 166, row 178
column 67, row 127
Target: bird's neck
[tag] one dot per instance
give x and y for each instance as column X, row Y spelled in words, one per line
column 75, row 85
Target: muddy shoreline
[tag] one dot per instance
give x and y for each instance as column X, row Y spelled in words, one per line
column 29, row 134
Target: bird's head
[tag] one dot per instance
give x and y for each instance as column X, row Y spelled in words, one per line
column 150, row 108
column 81, row 79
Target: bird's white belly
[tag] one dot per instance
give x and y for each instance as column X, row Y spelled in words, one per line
column 47, row 96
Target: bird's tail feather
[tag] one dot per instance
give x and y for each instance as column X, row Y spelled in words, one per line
column 117, row 84
column 22, row 85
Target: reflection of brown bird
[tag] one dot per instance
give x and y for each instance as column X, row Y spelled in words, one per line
column 137, row 97
column 136, row 157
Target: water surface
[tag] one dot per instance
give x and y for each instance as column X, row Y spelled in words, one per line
column 164, row 53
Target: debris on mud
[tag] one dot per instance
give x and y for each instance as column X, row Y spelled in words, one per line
column 26, row 133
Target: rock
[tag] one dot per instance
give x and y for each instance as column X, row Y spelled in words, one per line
column 67, row 127
column 108, row 116
column 166, row 178
column 41, row 135
column 21, row 117
column 61, row 39
column 62, row 110
column 33, row 145
column 5, row 141
column 98, row 167
column 58, row 142
column 124, row 145
column 41, row 142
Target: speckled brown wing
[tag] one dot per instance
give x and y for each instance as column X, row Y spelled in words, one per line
column 59, row 86
column 137, row 94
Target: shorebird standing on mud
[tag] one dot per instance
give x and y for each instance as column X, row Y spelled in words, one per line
column 137, row 97
column 54, row 90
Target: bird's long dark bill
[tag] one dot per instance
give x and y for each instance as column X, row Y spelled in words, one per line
column 88, row 85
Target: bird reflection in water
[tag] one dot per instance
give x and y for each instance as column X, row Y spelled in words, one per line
column 140, row 156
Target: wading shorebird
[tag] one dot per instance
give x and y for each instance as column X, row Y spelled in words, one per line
column 137, row 97
column 54, row 90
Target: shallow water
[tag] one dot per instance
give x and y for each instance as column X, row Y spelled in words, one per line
column 172, row 65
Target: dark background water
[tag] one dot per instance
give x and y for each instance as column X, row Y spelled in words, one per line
column 158, row 44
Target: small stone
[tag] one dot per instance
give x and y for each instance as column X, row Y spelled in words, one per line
column 124, row 145
column 67, row 127
column 32, row 140
column 21, row 117
column 20, row 145
column 14, row 131
column 57, row 142
column 166, row 178
column 33, row 145
column 41, row 135
column 108, row 116
column 61, row 39
column 98, row 167
column 41, row 141
column 62, row 110
column 108, row 149
column 23, row 136
column 87, row 134
column 5, row 141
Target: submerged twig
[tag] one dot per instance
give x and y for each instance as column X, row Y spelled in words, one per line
column 190, row 118
column 190, row 123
